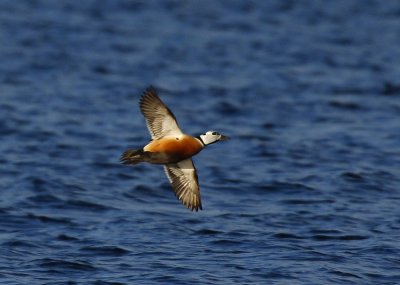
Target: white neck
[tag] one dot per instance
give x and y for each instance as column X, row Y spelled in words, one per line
column 200, row 141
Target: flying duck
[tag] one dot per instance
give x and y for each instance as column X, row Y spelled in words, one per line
column 172, row 148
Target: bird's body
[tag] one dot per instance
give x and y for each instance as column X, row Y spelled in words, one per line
column 172, row 148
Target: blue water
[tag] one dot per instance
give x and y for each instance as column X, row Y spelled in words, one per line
column 307, row 191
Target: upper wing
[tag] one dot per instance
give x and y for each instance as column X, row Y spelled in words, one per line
column 183, row 178
column 159, row 119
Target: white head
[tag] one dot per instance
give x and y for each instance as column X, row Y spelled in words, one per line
column 212, row 137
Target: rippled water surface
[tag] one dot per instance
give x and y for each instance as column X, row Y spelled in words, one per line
column 305, row 192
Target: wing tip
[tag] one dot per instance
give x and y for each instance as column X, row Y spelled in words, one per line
column 150, row 91
column 193, row 203
column 194, row 208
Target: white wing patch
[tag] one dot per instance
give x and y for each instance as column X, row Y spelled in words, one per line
column 160, row 120
column 184, row 181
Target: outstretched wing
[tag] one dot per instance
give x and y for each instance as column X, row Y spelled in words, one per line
column 183, row 178
column 159, row 119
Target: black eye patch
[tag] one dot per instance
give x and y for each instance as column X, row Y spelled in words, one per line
column 214, row 133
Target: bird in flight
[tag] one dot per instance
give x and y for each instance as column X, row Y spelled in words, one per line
column 172, row 148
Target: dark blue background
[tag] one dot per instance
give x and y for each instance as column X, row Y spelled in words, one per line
column 306, row 192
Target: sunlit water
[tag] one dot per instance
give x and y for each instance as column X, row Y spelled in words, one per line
column 305, row 192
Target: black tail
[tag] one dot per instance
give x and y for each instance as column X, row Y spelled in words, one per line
column 132, row 156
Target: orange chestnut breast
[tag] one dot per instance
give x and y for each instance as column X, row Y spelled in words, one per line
column 182, row 147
